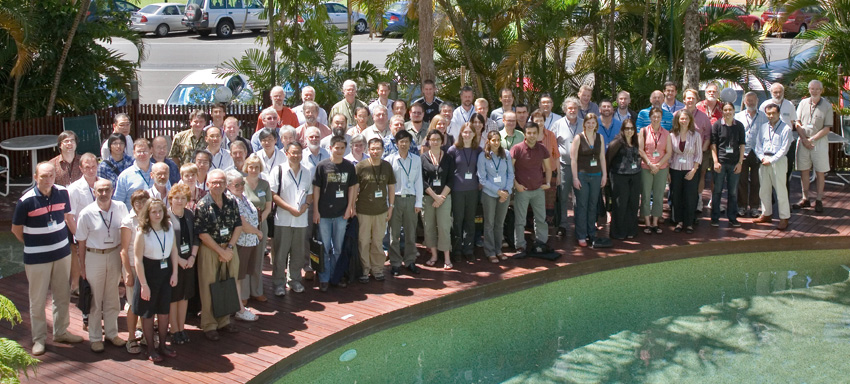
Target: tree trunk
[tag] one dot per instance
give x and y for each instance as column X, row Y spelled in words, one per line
column 643, row 35
column 692, row 44
column 656, row 26
column 460, row 31
column 84, row 6
column 272, row 55
column 427, row 71
column 13, row 115
column 611, row 64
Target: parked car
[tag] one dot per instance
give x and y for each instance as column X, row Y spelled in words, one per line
column 740, row 14
column 205, row 87
column 798, row 21
column 109, row 9
column 159, row 19
column 337, row 17
column 396, row 18
column 224, row 16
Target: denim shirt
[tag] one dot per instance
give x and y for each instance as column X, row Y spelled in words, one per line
column 487, row 173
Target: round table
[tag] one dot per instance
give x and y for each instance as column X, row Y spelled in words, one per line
column 29, row 143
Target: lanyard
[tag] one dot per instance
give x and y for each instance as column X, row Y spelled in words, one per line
column 273, row 158
column 109, row 224
column 571, row 128
column 310, row 157
column 376, row 174
column 655, row 137
column 406, row 171
column 772, row 132
column 297, row 182
column 623, row 118
column 492, row 156
column 813, row 107
column 750, row 122
column 466, row 116
column 220, row 159
column 162, row 242
column 466, row 158
column 147, row 181
column 548, row 121
column 586, row 139
column 512, row 138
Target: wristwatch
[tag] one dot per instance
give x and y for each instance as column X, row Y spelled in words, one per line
column 229, row 246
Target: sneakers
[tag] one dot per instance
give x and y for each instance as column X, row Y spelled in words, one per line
column 363, row 279
column 117, row 341
column 323, row 286
column 715, row 223
column 296, row 287
column 280, row 291
column 68, row 338
column 97, row 347
column 818, row 206
column 38, row 348
column 742, row 212
column 736, row 223
column 380, row 278
column 755, row 213
column 783, row 223
column 245, row 315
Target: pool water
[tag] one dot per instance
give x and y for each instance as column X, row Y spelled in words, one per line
column 780, row 317
column 11, row 255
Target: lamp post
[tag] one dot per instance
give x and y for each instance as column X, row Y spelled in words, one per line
column 348, row 12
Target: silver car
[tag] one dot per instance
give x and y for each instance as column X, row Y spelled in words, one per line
column 159, row 19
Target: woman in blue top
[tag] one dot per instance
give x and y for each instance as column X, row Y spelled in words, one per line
column 496, row 175
column 464, row 191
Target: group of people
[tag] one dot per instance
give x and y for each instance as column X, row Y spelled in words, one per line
column 168, row 217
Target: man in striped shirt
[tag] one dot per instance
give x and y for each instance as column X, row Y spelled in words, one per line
column 39, row 222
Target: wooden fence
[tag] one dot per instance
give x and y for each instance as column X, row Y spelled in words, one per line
column 148, row 120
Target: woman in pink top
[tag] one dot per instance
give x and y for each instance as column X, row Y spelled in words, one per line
column 684, row 168
column 655, row 151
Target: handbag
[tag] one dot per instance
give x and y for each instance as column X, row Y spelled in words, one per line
column 225, row 300
column 270, row 219
column 317, row 252
column 85, row 296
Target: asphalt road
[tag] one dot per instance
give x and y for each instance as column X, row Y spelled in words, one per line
column 171, row 58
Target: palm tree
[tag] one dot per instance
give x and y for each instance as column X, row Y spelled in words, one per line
column 426, row 40
column 83, row 6
column 17, row 28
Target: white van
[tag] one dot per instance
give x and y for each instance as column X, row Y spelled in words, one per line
column 224, row 16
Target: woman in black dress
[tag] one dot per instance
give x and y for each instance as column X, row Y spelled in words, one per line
column 182, row 220
column 156, row 269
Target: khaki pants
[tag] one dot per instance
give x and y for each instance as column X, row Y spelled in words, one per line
column 289, row 254
column 437, row 223
column 53, row 276
column 103, row 272
column 371, row 236
column 773, row 177
column 208, row 266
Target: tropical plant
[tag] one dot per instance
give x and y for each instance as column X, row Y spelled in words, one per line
column 30, row 55
column 14, row 360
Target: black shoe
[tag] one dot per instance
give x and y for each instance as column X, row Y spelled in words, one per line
column 736, row 223
column 342, row 284
column 323, row 287
column 803, row 203
column 562, row 232
column 414, row 269
column 380, row 278
column 715, row 223
column 364, row 279
column 818, row 206
column 396, row 271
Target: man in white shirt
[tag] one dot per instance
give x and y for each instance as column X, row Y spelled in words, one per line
column 772, row 142
column 814, row 122
column 121, row 124
column 383, row 99
column 308, row 93
column 788, row 115
column 220, row 156
column 99, row 238
column 81, row 194
column 315, row 153
column 161, row 185
column 292, row 190
column 407, row 169
column 546, row 104
column 464, row 112
column 565, row 130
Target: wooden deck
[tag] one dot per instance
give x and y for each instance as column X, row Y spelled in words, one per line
column 296, row 321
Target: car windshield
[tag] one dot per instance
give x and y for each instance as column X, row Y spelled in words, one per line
column 202, row 94
column 149, row 9
column 199, row 3
column 397, row 8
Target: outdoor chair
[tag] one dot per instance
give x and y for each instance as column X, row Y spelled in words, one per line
column 5, row 169
column 87, row 132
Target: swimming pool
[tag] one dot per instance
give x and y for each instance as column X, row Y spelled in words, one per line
column 755, row 317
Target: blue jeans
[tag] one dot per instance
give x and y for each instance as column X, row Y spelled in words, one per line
column 332, row 231
column 587, row 202
column 727, row 174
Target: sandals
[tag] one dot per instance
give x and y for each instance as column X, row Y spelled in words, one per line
column 502, row 257
column 657, row 230
column 448, row 266
column 133, row 347
column 678, row 228
column 431, row 262
column 689, row 230
column 648, row 230
column 155, row 357
column 493, row 259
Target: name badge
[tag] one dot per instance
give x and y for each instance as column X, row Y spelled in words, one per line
column 468, row 176
column 51, row 224
column 497, row 179
column 682, row 160
column 768, row 147
column 379, row 194
column 339, row 194
column 108, row 240
column 593, row 162
column 224, row 231
column 809, row 126
column 728, row 150
column 163, row 264
column 634, row 165
column 655, row 154
column 184, row 248
column 437, row 183
column 261, row 194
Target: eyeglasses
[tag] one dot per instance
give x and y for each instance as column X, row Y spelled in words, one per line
column 242, row 184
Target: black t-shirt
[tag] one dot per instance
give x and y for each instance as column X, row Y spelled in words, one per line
column 728, row 136
column 332, row 178
column 431, row 110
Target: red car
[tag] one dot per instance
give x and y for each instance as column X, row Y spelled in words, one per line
column 742, row 16
column 798, row 21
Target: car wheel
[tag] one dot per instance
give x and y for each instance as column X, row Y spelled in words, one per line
column 224, row 29
column 756, row 26
column 802, row 29
column 161, row 30
column 361, row 26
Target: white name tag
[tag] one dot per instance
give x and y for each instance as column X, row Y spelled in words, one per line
column 163, row 264
column 52, row 224
column 634, row 165
column 261, row 194
column 728, row 150
column 468, row 176
column 682, row 160
column 379, row 194
column 108, row 240
column 437, row 183
column 809, row 126
column 497, row 179
column 184, row 248
column 224, row 231
column 655, row 154
column 593, row 162
column 339, row 194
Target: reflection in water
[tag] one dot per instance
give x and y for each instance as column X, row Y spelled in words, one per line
column 775, row 317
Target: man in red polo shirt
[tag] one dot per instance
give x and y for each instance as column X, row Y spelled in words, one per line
column 287, row 117
column 533, row 176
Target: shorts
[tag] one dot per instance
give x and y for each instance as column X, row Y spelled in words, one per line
column 817, row 158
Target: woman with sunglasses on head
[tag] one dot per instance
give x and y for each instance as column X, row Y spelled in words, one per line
column 623, row 158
